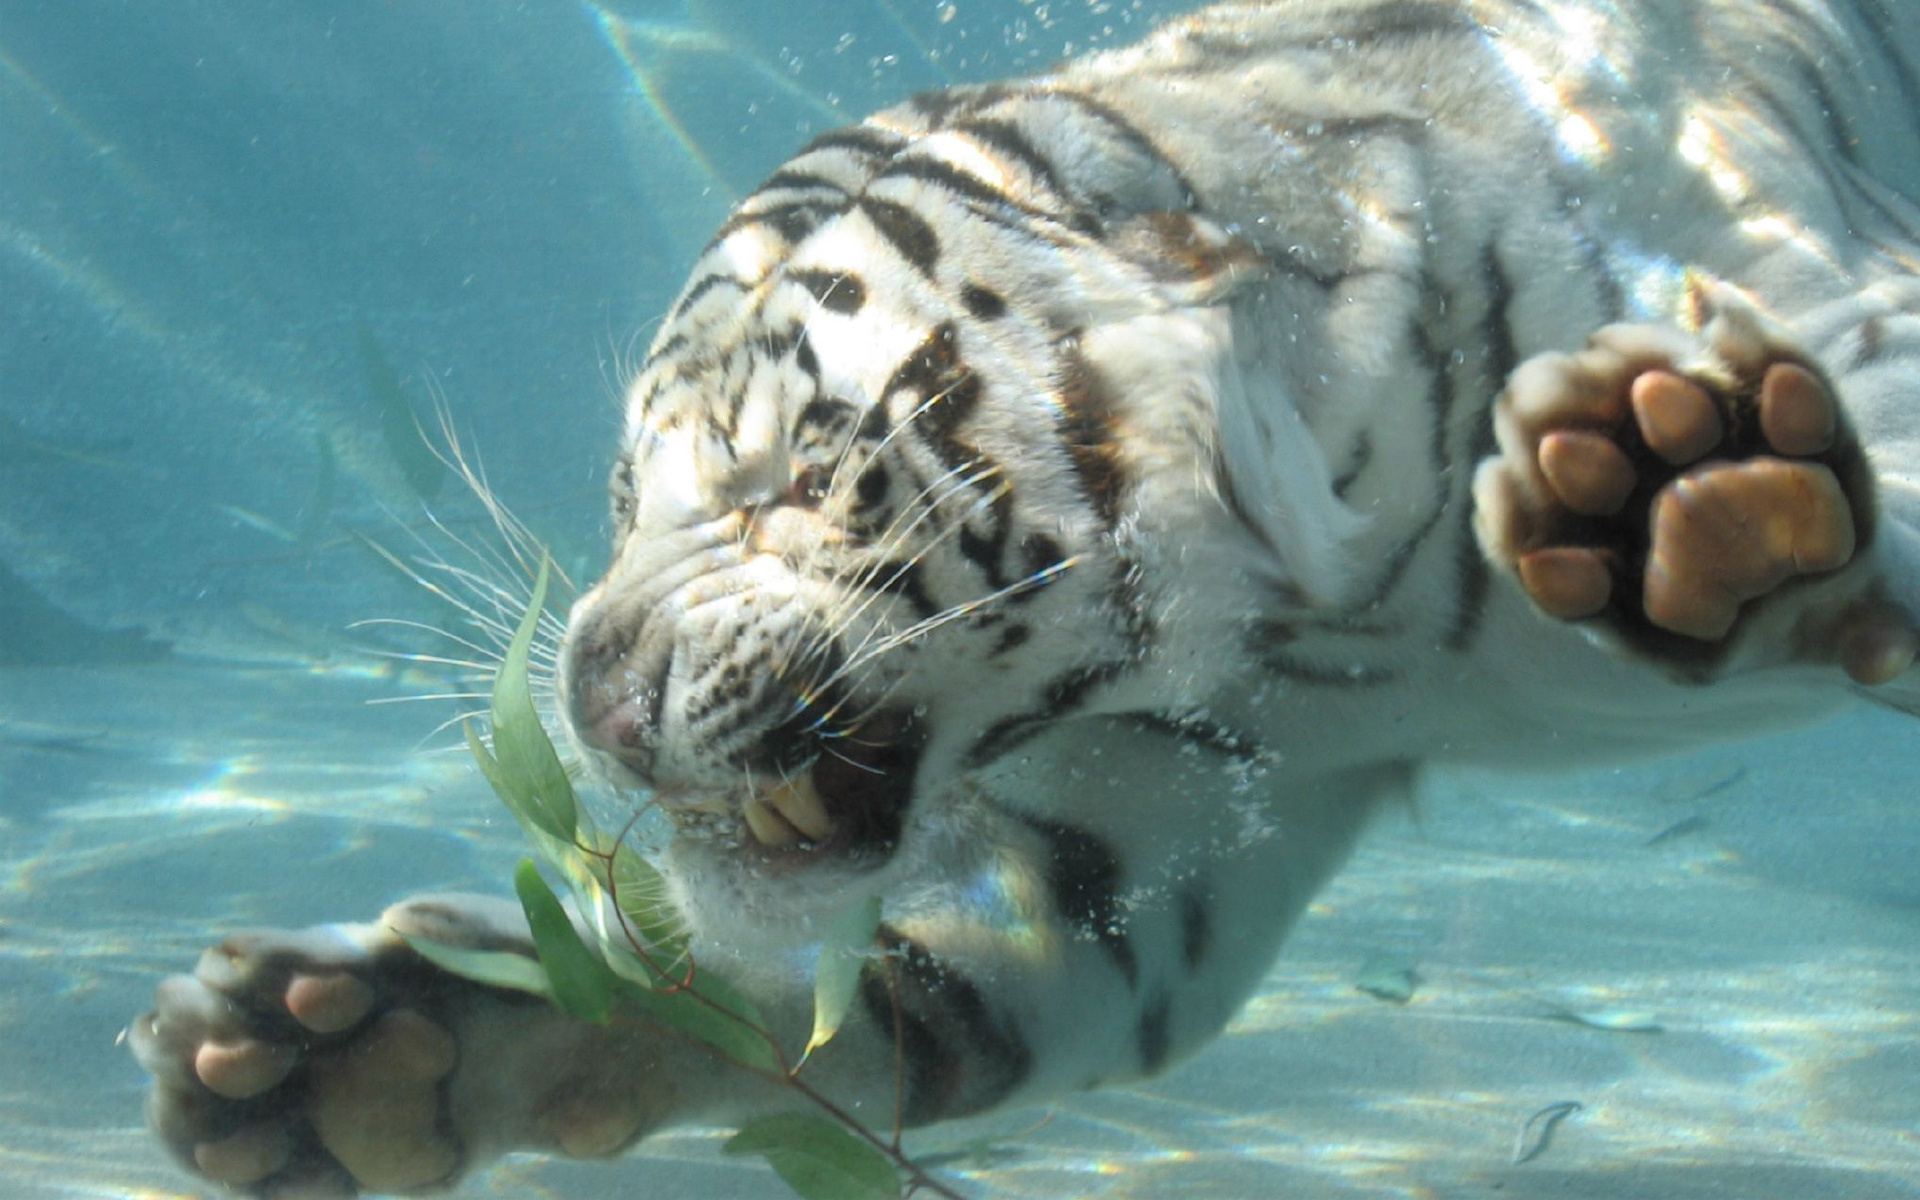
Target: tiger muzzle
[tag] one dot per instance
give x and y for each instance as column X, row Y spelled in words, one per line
column 719, row 717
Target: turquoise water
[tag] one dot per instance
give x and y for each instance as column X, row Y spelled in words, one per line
column 244, row 245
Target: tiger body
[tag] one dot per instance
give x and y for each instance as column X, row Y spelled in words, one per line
column 1087, row 466
column 1175, row 437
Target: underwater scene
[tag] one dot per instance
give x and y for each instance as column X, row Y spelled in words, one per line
column 281, row 280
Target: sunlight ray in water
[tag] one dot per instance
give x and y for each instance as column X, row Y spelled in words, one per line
column 110, row 156
column 644, row 46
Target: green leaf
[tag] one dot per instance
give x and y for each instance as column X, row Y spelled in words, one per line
column 744, row 1040
column 582, row 982
column 843, row 953
column 641, row 894
column 489, row 769
column 818, row 1159
column 526, row 772
column 494, row 968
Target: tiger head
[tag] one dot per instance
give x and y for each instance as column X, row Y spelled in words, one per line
column 882, row 509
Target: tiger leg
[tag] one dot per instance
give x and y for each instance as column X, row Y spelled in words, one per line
column 1682, row 491
column 334, row 1061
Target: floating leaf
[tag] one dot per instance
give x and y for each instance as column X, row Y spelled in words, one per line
column 818, row 1159
column 582, row 982
column 1611, row 1020
column 399, row 423
column 1537, row 1134
column 494, row 968
column 842, row 955
column 526, row 772
column 1386, row 978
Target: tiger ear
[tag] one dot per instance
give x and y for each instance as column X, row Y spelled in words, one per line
column 1194, row 260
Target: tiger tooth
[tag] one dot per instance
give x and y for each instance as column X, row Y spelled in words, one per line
column 799, row 802
column 768, row 828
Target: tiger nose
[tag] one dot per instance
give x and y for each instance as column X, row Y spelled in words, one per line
column 618, row 702
column 612, row 698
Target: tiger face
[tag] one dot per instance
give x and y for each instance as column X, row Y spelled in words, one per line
column 875, row 517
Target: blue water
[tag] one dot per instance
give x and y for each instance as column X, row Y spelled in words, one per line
column 242, row 245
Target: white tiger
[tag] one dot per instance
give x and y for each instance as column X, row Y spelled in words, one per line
column 1035, row 479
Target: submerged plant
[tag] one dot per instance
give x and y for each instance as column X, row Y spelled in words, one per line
column 639, row 967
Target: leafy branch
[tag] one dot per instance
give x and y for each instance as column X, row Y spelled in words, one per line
column 642, row 968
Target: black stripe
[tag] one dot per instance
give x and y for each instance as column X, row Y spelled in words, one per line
column 1873, row 338
column 1083, row 877
column 1441, row 403
column 1352, row 675
column 805, row 358
column 792, row 220
column 1011, row 638
column 1088, row 435
column 1759, row 90
column 939, row 107
column 1358, row 624
column 1007, row 140
column 906, row 231
column 961, row 1057
column 945, row 393
column 1131, row 135
column 987, row 551
column 1201, row 734
column 1152, row 1035
column 701, row 287
column 836, row 291
column 867, row 140
column 1196, row 926
column 791, row 179
column 1503, row 356
column 1900, row 218
column 1610, row 298
column 901, row 579
column 1230, row 499
column 1362, row 455
column 1060, row 697
column 1392, row 21
column 984, row 303
column 672, row 345
column 946, row 175
column 934, row 374
column 1044, row 562
column 1403, row 20
column 1840, row 132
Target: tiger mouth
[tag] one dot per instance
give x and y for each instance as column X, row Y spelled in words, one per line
column 850, row 801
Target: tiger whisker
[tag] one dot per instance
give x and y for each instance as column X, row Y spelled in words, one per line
column 864, row 586
column 413, row 699
column 809, row 566
column 922, row 507
column 859, row 595
column 966, row 608
column 491, row 657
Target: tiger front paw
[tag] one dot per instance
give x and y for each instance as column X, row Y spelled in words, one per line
column 335, row 1061
column 287, row 1062
column 1673, row 486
